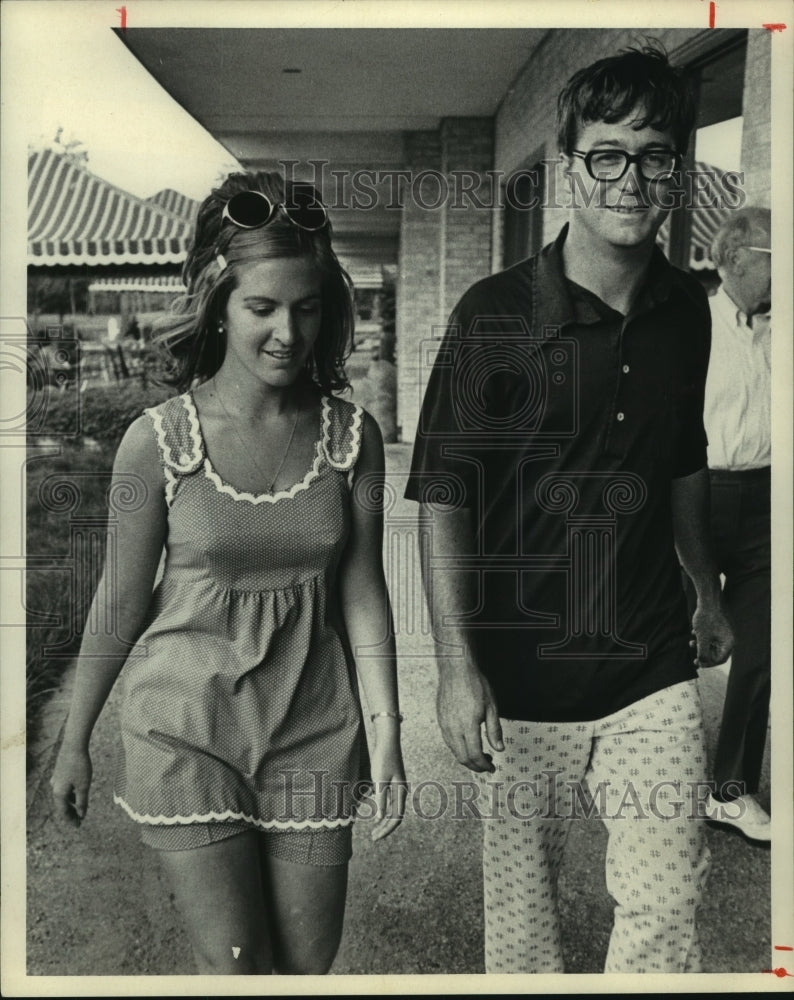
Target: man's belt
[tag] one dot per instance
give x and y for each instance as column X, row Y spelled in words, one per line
column 761, row 475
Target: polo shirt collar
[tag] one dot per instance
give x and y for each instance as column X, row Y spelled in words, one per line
column 553, row 289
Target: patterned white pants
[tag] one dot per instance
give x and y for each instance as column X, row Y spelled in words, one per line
column 642, row 771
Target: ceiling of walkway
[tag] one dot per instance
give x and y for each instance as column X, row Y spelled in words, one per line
column 342, row 95
column 258, row 90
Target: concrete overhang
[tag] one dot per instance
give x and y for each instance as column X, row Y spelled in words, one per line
column 343, row 96
column 259, row 90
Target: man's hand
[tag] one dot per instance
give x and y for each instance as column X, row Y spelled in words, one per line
column 464, row 702
column 713, row 635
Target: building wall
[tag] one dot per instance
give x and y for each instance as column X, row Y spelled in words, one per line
column 467, row 145
column 418, row 282
column 443, row 249
column 757, row 125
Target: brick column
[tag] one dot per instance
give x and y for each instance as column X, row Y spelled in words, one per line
column 445, row 243
column 418, row 304
column 467, row 147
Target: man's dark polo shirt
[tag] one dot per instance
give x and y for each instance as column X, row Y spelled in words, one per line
column 561, row 424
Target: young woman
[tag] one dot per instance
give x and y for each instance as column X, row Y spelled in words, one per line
column 242, row 737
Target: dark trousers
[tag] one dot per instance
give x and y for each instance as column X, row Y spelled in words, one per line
column 740, row 538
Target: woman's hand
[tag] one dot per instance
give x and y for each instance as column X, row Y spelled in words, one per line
column 70, row 782
column 388, row 779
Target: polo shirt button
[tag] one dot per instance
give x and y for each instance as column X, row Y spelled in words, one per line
column 621, row 416
column 626, row 369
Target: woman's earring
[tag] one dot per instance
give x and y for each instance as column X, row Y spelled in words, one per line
column 220, row 326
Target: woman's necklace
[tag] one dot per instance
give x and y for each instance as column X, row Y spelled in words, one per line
column 250, row 452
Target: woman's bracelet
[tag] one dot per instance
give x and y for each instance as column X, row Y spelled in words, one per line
column 389, row 715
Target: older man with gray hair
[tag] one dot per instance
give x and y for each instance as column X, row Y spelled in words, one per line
column 737, row 419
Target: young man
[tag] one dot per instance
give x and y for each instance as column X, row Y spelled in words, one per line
column 563, row 418
column 737, row 415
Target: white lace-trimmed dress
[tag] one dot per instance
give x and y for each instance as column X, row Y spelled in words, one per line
column 240, row 705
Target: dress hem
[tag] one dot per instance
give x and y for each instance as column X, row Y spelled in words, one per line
column 229, row 814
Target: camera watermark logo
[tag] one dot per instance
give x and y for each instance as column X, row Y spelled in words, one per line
column 50, row 364
column 501, row 378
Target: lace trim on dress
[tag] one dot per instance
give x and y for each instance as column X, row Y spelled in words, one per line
column 186, row 462
column 170, row 486
column 323, row 451
column 255, row 498
column 229, row 814
column 224, row 487
column 354, row 429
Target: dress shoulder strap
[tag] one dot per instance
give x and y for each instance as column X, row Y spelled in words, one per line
column 341, row 438
column 178, row 433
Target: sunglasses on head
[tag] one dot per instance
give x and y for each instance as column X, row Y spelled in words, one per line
column 252, row 209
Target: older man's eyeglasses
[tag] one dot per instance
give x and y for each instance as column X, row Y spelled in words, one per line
column 612, row 164
column 252, row 210
column 760, row 249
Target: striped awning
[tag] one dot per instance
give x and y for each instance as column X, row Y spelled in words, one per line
column 706, row 215
column 75, row 217
column 139, row 283
column 176, row 204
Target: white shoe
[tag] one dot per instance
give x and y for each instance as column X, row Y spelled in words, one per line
column 743, row 815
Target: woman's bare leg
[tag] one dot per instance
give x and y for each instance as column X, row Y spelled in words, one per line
column 306, row 907
column 218, row 890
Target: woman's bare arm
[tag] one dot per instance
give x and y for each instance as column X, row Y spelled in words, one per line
column 119, row 607
column 368, row 619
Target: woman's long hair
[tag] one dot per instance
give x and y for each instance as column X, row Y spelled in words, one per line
column 191, row 335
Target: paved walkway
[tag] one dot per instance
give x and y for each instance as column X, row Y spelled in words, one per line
column 97, row 904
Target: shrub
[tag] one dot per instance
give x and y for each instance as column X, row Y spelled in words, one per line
column 61, row 577
column 58, row 590
column 102, row 412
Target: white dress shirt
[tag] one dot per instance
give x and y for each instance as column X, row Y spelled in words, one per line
column 737, row 409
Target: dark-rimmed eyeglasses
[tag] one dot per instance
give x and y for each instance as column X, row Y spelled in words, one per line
column 612, row 164
column 252, row 209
